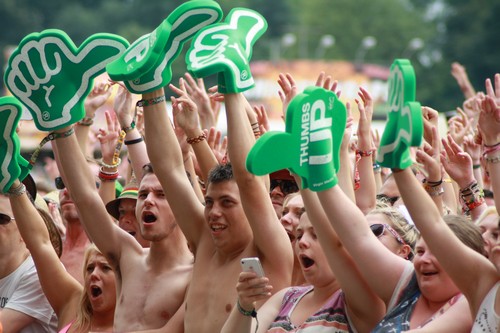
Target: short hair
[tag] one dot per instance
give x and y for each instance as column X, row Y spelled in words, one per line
column 466, row 231
column 220, row 173
column 405, row 229
column 147, row 169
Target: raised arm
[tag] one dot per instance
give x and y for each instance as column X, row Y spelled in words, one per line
column 61, row 289
column 366, row 194
column 270, row 237
column 380, row 267
column 133, row 140
column 109, row 237
column 166, row 157
column 365, row 308
column 473, row 274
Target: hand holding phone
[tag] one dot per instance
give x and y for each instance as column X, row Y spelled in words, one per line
column 252, row 265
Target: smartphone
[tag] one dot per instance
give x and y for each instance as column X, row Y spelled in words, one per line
column 252, row 264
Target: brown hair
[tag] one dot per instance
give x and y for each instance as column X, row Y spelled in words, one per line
column 466, row 231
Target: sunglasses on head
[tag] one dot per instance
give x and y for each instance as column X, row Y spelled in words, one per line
column 378, row 230
column 5, row 219
column 286, row 186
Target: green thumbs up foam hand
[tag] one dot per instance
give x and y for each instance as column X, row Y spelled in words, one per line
column 404, row 126
column 310, row 147
column 52, row 77
column 10, row 113
column 226, row 48
column 147, row 63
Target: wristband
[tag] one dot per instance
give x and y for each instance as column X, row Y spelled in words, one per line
column 133, row 141
column 197, row 139
column 151, row 101
column 244, row 312
column 129, row 128
column 16, row 191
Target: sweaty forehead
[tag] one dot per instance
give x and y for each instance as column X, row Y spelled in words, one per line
column 149, row 181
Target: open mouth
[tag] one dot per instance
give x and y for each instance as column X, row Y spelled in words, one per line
column 149, row 218
column 429, row 273
column 95, row 291
column 132, row 233
column 217, row 227
column 306, row 261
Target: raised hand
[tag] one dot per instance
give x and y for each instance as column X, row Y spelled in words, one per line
column 365, row 107
column 263, row 120
column 185, row 109
column 198, row 93
column 10, row 113
column 459, row 126
column 489, row 121
column 310, row 147
column 252, row 289
column 214, row 142
column 52, row 77
column 226, row 48
column 460, row 74
column 123, row 107
column 404, row 126
column 147, row 63
column 288, row 90
column 457, row 163
column 494, row 92
column 108, row 137
column 96, row 98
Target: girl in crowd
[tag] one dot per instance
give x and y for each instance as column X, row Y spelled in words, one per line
column 79, row 309
column 319, row 305
column 488, row 225
column 393, row 230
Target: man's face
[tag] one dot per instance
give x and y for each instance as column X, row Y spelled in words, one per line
column 224, row 212
column 68, row 207
column 152, row 211
column 127, row 220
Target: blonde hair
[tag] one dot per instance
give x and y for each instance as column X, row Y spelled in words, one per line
column 406, row 230
column 85, row 311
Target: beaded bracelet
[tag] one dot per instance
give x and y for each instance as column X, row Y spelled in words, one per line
column 151, row 101
column 111, row 166
column 197, row 139
column 16, row 191
column 118, row 148
column 471, row 196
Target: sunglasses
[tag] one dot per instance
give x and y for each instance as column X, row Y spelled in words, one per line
column 286, row 186
column 5, row 219
column 378, row 230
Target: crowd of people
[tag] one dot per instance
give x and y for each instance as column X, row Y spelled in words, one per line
column 384, row 250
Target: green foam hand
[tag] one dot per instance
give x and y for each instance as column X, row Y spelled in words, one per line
column 404, row 127
column 52, row 77
column 226, row 49
column 147, row 63
column 310, row 146
column 13, row 165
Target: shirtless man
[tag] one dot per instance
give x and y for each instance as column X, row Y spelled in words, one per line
column 237, row 221
column 151, row 283
column 76, row 240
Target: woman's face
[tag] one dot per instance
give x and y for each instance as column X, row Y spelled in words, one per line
column 495, row 250
column 100, row 283
column 312, row 259
column 435, row 284
column 489, row 231
column 292, row 212
column 387, row 238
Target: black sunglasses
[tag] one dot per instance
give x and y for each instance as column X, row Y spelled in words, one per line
column 286, row 186
column 378, row 230
column 5, row 219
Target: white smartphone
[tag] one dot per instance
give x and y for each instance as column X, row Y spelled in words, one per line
column 252, row 264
